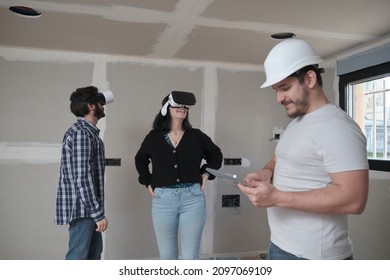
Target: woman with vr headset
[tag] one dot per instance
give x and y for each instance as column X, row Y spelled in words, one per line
column 177, row 179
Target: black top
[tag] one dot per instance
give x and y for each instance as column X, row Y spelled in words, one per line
column 172, row 166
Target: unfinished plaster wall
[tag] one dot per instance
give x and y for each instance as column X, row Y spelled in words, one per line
column 34, row 114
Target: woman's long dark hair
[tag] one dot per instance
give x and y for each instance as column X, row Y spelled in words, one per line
column 164, row 122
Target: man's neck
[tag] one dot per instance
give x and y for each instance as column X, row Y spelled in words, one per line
column 318, row 101
column 91, row 118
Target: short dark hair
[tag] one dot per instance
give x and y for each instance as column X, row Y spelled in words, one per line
column 80, row 99
column 164, row 122
column 300, row 74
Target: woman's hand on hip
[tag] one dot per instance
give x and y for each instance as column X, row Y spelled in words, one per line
column 150, row 189
column 205, row 178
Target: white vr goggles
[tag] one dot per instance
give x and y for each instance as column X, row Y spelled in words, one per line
column 105, row 97
column 178, row 99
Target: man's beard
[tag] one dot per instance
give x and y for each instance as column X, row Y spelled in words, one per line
column 300, row 105
column 99, row 113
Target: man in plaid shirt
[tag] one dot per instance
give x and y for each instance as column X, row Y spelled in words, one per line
column 80, row 194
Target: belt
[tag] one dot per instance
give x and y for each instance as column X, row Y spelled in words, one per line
column 178, row 186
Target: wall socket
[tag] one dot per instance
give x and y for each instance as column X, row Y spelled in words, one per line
column 112, row 162
column 230, row 200
column 232, row 161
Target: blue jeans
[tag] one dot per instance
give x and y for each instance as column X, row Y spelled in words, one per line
column 85, row 243
column 179, row 211
column 275, row 253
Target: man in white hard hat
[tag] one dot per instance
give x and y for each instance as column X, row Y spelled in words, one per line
column 80, row 194
column 319, row 174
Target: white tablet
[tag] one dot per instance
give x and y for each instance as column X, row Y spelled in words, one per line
column 224, row 175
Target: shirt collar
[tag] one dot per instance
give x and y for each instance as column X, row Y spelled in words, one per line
column 85, row 122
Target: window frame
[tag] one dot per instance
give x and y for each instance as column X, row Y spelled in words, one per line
column 366, row 73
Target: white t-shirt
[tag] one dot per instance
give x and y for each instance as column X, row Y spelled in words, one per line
column 321, row 142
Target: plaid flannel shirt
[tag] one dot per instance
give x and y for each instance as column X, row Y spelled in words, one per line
column 81, row 182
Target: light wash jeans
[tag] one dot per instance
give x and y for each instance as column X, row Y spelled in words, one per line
column 179, row 211
column 85, row 243
column 275, row 253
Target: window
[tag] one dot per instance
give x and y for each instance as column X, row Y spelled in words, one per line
column 365, row 96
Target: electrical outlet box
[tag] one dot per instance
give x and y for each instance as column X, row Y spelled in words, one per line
column 112, row 162
column 232, row 161
column 231, row 200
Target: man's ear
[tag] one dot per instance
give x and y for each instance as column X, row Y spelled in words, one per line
column 91, row 107
column 310, row 79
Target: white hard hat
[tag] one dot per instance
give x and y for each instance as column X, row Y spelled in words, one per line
column 286, row 58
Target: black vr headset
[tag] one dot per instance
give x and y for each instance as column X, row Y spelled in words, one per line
column 178, row 99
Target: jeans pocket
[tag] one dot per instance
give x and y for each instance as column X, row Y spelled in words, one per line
column 158, row 192
column 195, row 190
